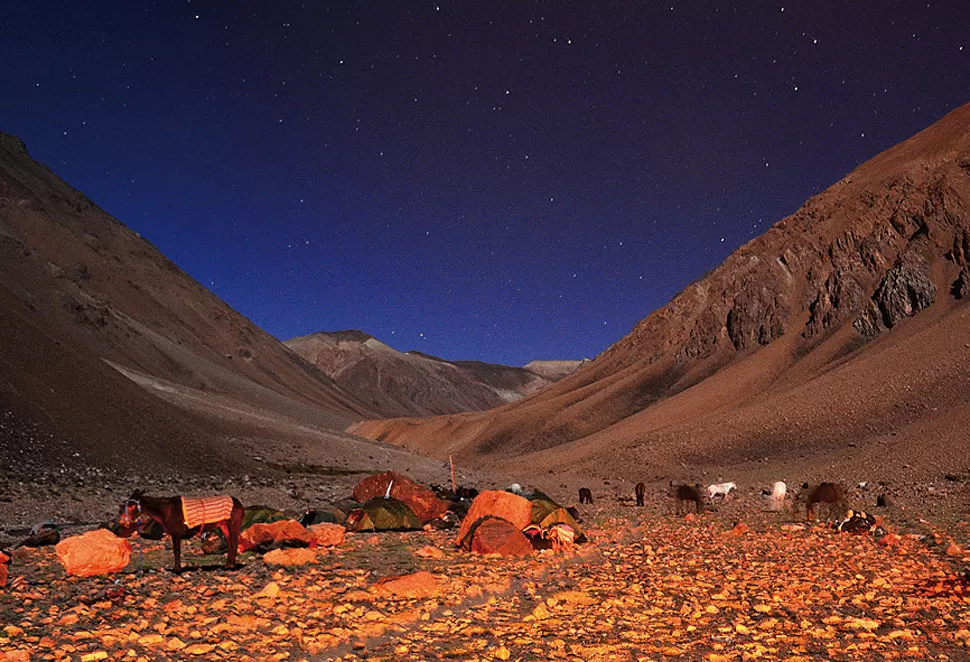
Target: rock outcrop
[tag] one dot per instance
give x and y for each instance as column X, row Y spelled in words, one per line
column 902, row 293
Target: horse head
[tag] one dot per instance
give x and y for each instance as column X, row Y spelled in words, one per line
column 130, row 515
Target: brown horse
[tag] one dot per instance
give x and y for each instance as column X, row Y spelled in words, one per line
column 685, row 493
column 639, row 490
column 169, row 513
column 829, row 493
column 585, row 496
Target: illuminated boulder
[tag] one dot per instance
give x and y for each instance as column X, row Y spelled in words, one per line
column 276, row 534
column 420, row 499
column 493, row 503
column 97, row 552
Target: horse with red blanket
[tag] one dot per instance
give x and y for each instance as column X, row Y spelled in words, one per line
column 183, row 517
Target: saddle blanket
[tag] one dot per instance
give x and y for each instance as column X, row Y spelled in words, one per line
column 196, row 512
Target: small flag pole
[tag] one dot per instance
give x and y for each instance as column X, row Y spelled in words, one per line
column 454, row 486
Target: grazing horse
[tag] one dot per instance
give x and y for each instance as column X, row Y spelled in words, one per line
column 720, row 489
column 825, row 493
column 685, row 493
column 639, row 490
column 585, row 496
column 778, row 492
column 183, row 518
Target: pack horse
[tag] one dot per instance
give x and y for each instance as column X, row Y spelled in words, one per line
column 183, row 517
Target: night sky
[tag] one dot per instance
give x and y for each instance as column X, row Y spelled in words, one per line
column 500, row 181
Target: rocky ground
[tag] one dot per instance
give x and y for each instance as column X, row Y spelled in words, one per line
column 736, row 583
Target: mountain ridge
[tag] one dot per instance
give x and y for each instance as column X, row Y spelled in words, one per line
column 414, row 383
column 886, row 243
column 80, row 293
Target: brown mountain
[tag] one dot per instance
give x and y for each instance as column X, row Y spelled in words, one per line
column 111, row 355
column 397, row 383
column 836, row 344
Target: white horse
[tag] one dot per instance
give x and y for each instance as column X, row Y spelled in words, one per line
column 778, row 493
column 720, row 489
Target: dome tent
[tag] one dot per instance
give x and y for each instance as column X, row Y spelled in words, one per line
column 383, row 515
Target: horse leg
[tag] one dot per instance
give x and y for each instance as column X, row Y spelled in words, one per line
column 231, row 534
column 177, row 552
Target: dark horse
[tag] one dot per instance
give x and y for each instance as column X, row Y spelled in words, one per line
column 685, row 493
column 585, row 496
column 829, row 493
column 167, row 511
column 640, row 489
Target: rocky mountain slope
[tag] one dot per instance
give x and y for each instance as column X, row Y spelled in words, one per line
column 837, row 342
column 397, row 383
column 110, row 354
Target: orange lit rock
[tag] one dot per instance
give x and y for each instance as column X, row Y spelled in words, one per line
column 275, row 532
column 4, row 567
column 497, row 536
column 97, row 552
column 420, row 584
column 291, row 556
column 327, row 534
column 425, row 503
column 889, row 540
column 430, row 552
column 505, row 505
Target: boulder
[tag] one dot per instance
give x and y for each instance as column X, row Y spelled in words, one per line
column 430, row 552
column 492, row 503
column 291, row 556
column 328, row 535
column 493, row 535
column 420, row 584
column 425, row 503
column 4, row 567
column 97, row 552
column 276, row 534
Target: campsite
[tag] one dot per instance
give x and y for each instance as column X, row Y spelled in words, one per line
column 739, row 581
column 484, row 331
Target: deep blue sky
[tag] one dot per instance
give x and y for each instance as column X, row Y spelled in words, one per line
column 501, row 181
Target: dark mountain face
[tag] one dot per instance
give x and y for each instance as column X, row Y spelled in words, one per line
column 101, row 335
column 791, row 322
column 412, row 383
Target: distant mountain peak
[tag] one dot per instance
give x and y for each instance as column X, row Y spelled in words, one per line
column 414, row 383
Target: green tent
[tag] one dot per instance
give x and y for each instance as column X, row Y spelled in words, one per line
column 383, row 515
column 546, row 512
column 327, row 514
column 333, row 513
column 262, row 515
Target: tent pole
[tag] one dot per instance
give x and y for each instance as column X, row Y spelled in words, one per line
column 454, row 487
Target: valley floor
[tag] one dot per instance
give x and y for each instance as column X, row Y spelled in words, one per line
column 648, row 586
